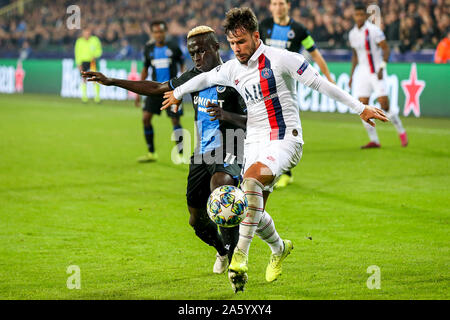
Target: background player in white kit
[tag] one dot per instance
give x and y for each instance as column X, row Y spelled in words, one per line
column 265, row 77
column 371, row 53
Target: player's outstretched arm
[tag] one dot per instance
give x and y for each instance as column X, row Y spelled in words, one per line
column 217, row 113
column 143, row 87
column 373, row 113
column 216, row 76
column 318, row 58
column 299, row 69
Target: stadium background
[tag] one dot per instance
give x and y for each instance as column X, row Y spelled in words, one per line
column 66, row 195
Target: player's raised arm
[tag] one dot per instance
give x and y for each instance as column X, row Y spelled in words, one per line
column 143, row 87
column 299, row 69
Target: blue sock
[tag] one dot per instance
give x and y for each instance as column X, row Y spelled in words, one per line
column 148, row 133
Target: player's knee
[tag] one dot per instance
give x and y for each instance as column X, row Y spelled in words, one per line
column 196, row 219
column 220, row 179
column 260, row 173
column 147, row 118
column 252, row 184
column 175, row 121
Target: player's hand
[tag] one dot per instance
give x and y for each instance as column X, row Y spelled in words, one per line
column 373, row 113
column 97, row 77
column 350, row 82
column 137, row 101
column 380, row 74
column 169, row 100
column 215, row 112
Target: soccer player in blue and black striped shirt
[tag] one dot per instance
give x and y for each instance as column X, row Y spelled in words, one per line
column 164, row 58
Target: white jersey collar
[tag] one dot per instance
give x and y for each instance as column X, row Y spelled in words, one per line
column 364, row 26
column 258, row 52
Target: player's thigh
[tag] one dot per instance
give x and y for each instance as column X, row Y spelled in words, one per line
column 384, row 102
column 175, row 116
column 362, row 85
column 147, row 117
column 198, row 186
column 267, row 162
column 364, row 100
column 381, row 92
column 224, row 174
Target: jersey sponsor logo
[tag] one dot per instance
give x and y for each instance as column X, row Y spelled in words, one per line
column 161, row 63
column 282, row 44
column 221, row 89
column 202, row 102
column 253, row 93
column 302, row 68
column 266, row 73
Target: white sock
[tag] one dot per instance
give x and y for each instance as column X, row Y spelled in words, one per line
column 267, row 232
column 253, row 190
column 396, row 122
column 372, row 132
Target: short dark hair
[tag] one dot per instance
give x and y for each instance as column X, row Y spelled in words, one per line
column 359, row 6
column 240, row 19
column 158, row 23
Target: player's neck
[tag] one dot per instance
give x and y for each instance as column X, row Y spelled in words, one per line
column 160, row 44
column 360, row 26
column 284, row 21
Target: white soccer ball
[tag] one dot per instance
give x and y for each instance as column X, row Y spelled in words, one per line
column 227, row 206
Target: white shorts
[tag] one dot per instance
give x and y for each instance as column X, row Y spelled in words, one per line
column 364, row 84
column 279, row 155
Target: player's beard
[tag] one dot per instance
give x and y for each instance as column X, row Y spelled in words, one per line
column 252, row 51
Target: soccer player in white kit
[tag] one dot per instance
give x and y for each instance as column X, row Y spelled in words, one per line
column 370, row 54
column 265, row 77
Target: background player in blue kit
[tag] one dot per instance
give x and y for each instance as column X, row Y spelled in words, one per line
column 283, row 32
column 164, row 58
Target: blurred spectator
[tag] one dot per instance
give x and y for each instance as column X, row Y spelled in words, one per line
column 25, row 51
column 442, row 54
column 126, row 50
column 416, row 24
column 409, row 35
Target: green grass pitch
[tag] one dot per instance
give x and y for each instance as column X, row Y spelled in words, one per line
column 72, row 193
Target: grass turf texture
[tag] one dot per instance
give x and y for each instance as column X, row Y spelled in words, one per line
column 72, row 194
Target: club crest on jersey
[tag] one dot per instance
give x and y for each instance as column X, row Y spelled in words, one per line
column 291, row 34
column 218, row 68
column 266, row 73
column 302, row 68
column 169, row 53
column 220, row 89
